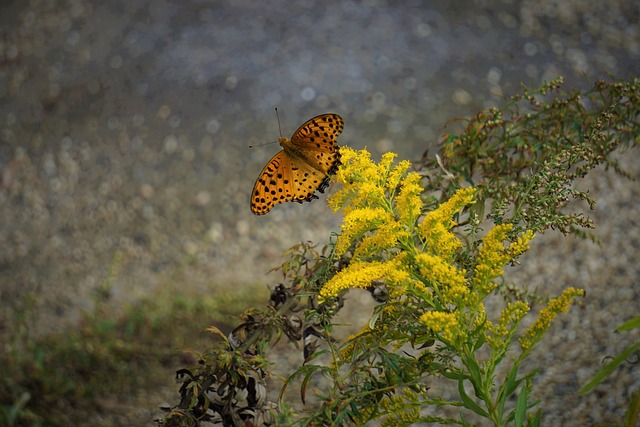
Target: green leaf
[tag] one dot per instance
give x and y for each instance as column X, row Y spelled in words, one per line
column 468, row 402
column 476, row 376
column 308, row 371
column 508, row 387
column 479, row 343
column 521, row 406
column 453, row 375
column 609, row 367
column 375, row 316
column 303, row 386
column 629, row 325
column 633, row 409
column 537, row 419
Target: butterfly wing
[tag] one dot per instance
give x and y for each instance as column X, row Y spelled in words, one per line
column 282, row 180
column 273, row 185
column 316, row 142
column 302, row 167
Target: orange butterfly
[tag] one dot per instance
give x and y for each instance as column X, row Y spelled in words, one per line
column 301, row 167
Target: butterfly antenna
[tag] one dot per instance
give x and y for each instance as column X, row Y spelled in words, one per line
column 263, row 144
column 270, row 142
column 278, row 117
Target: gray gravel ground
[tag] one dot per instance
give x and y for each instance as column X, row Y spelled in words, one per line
column 124, row 127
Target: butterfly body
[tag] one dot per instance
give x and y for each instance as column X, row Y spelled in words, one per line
column 302, row 167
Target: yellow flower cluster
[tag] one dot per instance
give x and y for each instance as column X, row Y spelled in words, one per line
column 361, row 274
column 443, row 324
column 405, row 261
column 356, row 194
column 366, row 198
column 386, row 236
column 436, row 269
column 385, row 166
column 357, row 222
column 493, row 256
column 436, row 225
column 510, row 316
column 456, row 294
column 356, row 166
column 396, row 174
column 521, row 245
column 400, row 414
column 382, row 204
column 555, row 306
column 365, row 183
column 361, row 180
column 408, row 202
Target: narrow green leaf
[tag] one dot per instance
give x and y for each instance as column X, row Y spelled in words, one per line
column 511, row 383
column 303, row 386
column 308, row 371
column 521, row 406
column 479, row 343
column 468, row 402
column 633, row 410
column 453, row 375
column 629, row 325
column 476, row 376
column 315, row 355
column 507, row 389
column 608, row 368
column 374, row 318
column 537, row 419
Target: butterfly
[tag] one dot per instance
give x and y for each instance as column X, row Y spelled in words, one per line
column 301, row 167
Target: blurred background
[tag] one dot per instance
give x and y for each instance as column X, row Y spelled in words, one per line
column 125, row 130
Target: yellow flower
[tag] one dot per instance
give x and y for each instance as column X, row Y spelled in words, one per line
column 361, row 274
column 463, row 197
column 436, row 225
column 367, row 193
column 443, row 324
column 365, row 184
column 436, row 269
column 393, row 180
column 385, row 165
column 385, row 237
column 340, row 198
column 521, row 245
column 456, row 294
column 510, row 317
column 493, row 256
column 360, row 178
column 408, row 202
column 555, row 306
column 357, row 195
column 355, row 166
column 480, row 316
column 439, row 240
column 359, row 221
column 405, row 283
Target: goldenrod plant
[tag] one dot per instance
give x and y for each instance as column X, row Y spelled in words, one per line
column 431, row 245
column 525, row 156
column 436, row 285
